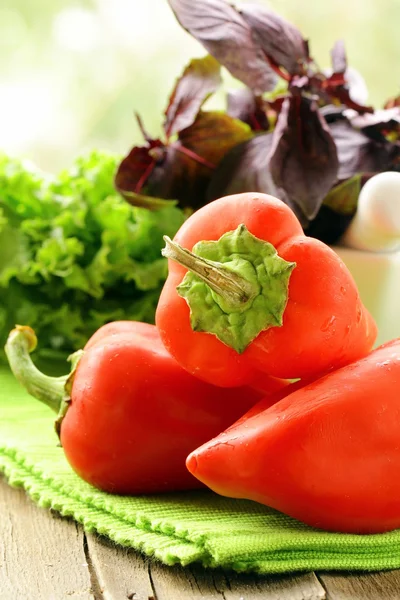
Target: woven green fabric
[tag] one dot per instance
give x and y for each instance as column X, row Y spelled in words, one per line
column 174, row 528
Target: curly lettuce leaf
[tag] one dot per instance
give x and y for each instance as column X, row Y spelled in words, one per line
column 75, row 255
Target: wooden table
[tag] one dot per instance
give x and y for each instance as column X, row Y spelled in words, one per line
column 46, row 557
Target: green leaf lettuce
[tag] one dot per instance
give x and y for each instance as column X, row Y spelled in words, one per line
column 74, row 255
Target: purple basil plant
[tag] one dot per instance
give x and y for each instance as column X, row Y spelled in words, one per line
column 294, row 131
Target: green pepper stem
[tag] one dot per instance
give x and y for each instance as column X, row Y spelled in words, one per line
column 233, row 288
column 50, row 390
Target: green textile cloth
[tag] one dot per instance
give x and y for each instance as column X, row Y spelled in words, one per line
column 174, row 528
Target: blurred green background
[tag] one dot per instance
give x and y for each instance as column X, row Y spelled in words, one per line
column 73, row 72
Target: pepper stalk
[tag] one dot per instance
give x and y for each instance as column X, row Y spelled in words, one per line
column 55, row 392
column 236, row 286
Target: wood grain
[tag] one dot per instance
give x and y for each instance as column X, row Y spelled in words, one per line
column 274, row 587
column 42, row 557
column 126, row 574
column 45, row 557
column 362, row 586
column 196, row 583
column 121, row 573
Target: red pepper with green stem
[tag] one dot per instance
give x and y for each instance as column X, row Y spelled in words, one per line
column 129, row 414
column 259, row 296
column 327, row 454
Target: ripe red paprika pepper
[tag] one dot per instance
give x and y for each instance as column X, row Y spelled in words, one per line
column 260, row 295
column 327, row 454
column 133, row 414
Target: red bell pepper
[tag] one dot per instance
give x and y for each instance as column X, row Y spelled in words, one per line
column 327, row 454
column 259, row 295
column 133, row 414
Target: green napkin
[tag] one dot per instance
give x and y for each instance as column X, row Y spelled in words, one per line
column 174, row 528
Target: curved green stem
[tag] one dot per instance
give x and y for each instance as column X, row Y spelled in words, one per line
column 233, row 288
column 50, row 390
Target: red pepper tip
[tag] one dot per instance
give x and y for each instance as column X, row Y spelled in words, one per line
column 191, row 463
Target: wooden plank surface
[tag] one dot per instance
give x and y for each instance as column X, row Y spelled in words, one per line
column 196, row 583
column 42, row 556
column 45, row 557
column 123, row 574
column 364, row 586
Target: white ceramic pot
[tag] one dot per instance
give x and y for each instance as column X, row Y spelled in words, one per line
column 377, row 275
column 370, row 249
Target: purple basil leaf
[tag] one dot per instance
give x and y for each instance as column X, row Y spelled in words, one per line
column 348, row 87
column 153, row 175
column 251, row 109
column 357, row 152
column 190, row 162
column 134, row 173
column 335, row 88
column 304, row 159
column 132, row 168
column 336, row 212
column 198, row 81
column 332, row 113
column 338, row 57
column 182, row 177
column 246, row 169
column 353, row 147
column 142, row 129
column 281, row 42
column 226, row 36
column 380, row 121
